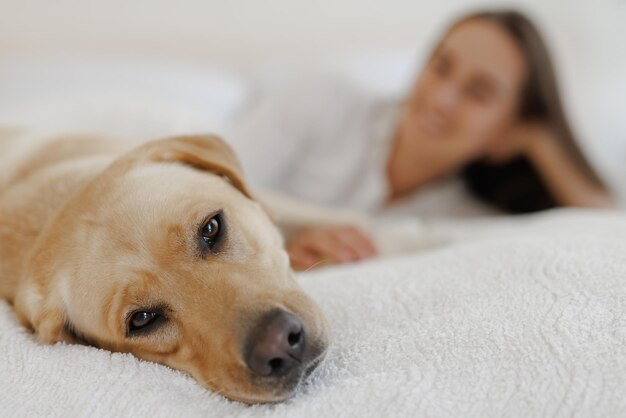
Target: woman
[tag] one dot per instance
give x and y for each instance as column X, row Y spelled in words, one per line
column 485, row 108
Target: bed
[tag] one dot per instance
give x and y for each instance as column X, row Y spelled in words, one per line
column 527, row 319
column 511, row 317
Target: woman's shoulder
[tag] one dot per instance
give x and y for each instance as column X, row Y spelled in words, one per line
column 319, row 105
column 313, row 93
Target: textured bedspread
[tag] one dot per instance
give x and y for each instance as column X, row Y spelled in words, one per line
column 529, row 319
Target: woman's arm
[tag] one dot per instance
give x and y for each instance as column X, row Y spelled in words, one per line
column 567, row 182
column 310, row 248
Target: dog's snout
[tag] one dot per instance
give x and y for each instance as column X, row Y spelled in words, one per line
column 277, row 346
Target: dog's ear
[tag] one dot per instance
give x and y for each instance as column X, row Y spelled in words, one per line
column 204, row 152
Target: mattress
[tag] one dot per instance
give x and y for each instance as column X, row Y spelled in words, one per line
column 518, row 317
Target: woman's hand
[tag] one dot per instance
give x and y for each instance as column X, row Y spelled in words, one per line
column 521, row 139
column 313, row 247
column 563, row 176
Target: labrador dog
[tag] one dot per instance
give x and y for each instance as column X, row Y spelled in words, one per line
column 160, row 251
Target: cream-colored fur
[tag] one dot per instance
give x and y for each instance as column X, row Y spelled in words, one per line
column 92, row 230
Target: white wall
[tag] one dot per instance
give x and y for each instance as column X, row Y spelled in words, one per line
column 243, row 33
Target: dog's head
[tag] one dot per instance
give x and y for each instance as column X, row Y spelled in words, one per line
column 167, row 256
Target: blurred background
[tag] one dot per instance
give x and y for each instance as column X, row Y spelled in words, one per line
column 153, row 68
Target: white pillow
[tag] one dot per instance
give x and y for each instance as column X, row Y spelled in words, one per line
column 120, row 97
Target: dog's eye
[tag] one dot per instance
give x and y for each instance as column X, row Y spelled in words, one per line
column 146, row 320
column 141, row 320
column 211, row 231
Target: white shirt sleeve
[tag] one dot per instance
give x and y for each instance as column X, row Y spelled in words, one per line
column 277, row 132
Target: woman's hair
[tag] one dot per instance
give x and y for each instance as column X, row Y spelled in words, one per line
column 515, row 186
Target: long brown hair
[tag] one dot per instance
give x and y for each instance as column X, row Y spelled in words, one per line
column 515, row 186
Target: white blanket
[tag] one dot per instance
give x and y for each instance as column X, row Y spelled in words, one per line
column 527, row 320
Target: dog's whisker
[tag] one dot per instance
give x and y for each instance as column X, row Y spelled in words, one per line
column 316, row 264
column 208, row 383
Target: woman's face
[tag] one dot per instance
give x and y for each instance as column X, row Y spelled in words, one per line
column 467, row 95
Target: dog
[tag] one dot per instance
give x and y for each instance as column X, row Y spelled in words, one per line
column 160, row 251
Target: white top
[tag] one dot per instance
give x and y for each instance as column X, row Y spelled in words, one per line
column 327, row 141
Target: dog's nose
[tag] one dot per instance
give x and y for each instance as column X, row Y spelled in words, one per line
column 277, row 345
